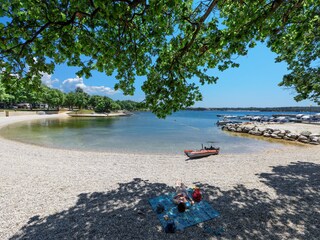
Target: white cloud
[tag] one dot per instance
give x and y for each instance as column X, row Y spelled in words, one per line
column 71, row 84
column 46, row 79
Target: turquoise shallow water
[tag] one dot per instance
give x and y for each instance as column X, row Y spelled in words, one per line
column 139, row 133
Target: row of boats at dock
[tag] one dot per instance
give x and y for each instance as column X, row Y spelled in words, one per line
column 276, row 118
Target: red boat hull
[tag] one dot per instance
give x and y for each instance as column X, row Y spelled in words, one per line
column 200, row 153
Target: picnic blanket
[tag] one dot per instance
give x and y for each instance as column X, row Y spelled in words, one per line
column 199, row 212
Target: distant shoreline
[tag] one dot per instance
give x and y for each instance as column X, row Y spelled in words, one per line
column 258, row 109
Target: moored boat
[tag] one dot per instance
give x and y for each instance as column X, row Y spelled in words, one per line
column 225, row 122
column 202, row 152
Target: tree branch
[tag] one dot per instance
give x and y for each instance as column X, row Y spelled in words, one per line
column 34, row 37
column 198, row 24
column 198, row 27
column 133, row 3
column 51, row 23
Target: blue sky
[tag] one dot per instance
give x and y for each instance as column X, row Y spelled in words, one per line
column 253, row 84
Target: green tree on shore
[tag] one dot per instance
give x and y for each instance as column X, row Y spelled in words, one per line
column 100, row 104
column 18, row 91
column 170, row 42
column 70, row 100
column 4, row 97
column 94, row 100
column 53, row 97
column 129, row 105
column 81, row 98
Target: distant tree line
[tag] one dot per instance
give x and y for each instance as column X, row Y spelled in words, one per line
column 266, row 109
column 20, row 92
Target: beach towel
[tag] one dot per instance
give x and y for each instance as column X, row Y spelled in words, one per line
column 200, row 212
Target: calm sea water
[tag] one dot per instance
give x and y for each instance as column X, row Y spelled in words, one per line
column 140, row 133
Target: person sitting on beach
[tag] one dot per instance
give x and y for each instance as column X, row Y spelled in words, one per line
column 182, row 198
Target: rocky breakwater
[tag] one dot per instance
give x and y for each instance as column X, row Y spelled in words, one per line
column 259, row 130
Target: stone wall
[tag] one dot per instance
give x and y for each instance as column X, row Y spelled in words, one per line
column 304, row 136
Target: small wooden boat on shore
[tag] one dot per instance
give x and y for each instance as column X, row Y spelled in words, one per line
column 202, row 152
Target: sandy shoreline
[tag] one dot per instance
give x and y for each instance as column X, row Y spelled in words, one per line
column 62, row 194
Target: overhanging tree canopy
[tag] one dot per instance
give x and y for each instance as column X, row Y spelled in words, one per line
column 168, row 41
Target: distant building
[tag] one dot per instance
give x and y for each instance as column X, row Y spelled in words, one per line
column 24, row 105
column 43, row 106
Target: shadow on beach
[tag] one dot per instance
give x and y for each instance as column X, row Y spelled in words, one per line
column 124, row 213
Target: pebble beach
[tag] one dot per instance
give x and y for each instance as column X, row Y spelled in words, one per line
column 66, row 194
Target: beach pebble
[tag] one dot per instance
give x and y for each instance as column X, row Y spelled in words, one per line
column 239, row 129
column 273, row 135
column 302, row 137
column 306, row 133
column 314, row 139
column 314, row 135
column 292, row 136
